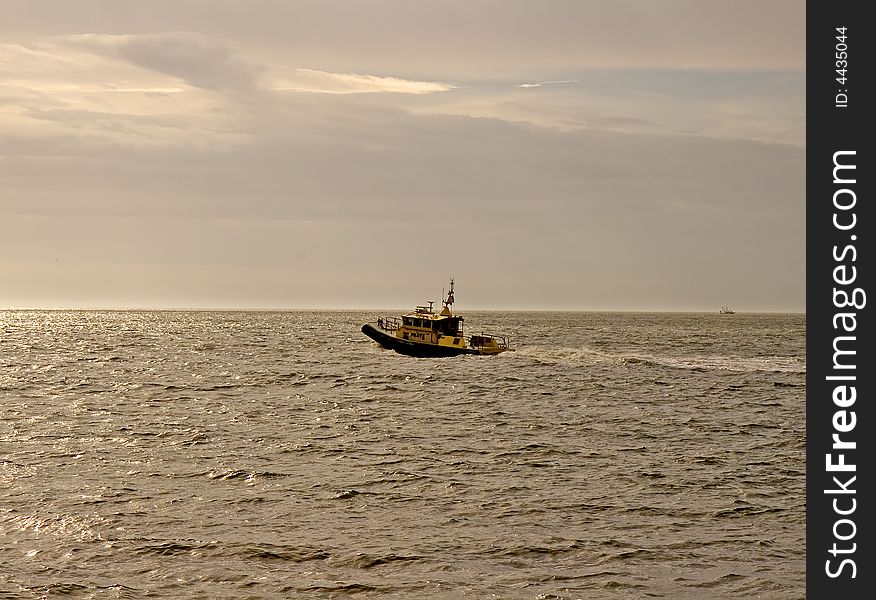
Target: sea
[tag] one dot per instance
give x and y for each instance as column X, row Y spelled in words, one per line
column 258, row 454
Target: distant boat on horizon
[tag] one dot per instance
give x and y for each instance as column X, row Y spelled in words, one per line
column 726, row 310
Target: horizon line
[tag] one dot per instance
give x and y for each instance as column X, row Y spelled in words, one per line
column 367, row 308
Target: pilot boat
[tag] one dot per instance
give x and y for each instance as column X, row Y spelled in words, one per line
column 425, row 333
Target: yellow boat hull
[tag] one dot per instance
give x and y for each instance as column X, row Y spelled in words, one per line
column 419, row 349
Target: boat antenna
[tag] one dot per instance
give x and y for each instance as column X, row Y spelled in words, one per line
column 445, row 312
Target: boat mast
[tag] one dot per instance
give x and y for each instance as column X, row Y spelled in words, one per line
column 449, row 301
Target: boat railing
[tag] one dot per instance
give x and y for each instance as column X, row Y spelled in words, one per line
column 488, row 339
column 389, row 323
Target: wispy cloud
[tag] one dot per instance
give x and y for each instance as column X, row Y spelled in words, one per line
column 310, row 80
column 213, row 64
column 543, row 83
column 198, row 60
column 194, row 88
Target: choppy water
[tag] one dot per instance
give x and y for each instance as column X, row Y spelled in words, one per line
column 284, row 455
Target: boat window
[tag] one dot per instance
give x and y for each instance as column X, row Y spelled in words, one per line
column 427, row 324
column 406, row 320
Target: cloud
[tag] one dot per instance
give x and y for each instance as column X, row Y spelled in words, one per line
column 372, row 164
column 176, row 88
column 597, row 210
column 763, row 106
column 198, row 60
column 543, row 83
column 309, row 80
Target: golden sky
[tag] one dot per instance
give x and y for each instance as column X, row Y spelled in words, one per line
column 562, row 155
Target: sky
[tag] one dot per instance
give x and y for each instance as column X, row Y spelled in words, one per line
column 548, row 155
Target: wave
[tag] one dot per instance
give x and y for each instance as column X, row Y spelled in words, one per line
column 247, row 551
column 361, row 560
column 588, row 356
column 246, row 475
column 63, row 526
column 343, row 588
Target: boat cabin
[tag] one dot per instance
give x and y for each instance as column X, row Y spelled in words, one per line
column 424, row 325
